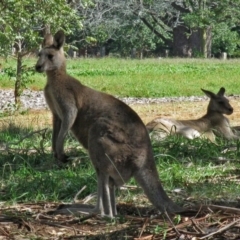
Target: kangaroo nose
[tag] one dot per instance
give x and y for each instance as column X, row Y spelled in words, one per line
column 38, row 68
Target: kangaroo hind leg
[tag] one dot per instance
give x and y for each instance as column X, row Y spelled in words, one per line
column 106, row 205
column 110, row 156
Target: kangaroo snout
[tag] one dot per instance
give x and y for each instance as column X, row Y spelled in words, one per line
column 39, row 68
column 230, row 110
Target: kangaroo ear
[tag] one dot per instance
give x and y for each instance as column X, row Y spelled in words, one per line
column 208, row 93
column 221, row 91
column 48, row 40
column 59, row 39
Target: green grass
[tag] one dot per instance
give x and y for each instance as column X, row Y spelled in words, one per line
column 27, row 168
column 145, row 78
column 30, row 174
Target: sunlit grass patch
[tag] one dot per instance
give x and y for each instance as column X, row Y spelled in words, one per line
column 144, row 78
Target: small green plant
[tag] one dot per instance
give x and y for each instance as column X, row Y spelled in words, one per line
column 177, row 219
column 160, row 230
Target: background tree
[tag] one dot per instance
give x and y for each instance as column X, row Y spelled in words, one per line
column 187, row 27
column 206, row 16
column 127, row 25
column 21, row 23
column 225, row 39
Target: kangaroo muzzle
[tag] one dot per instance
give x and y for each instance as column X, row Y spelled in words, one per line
column 39, row 68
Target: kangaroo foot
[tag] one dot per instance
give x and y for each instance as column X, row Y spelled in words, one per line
column 172, row 208
column 74, row 209
column 63, row 158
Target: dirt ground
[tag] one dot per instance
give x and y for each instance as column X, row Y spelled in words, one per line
column 38, row 221
column 176, row 110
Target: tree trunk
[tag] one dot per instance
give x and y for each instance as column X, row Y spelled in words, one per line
column 203, row 35
column 206, row 41
column 209, row 42
column 133, row 53
column 192, row 42
column 18, row 90
column 102, row 51
column 181, row 43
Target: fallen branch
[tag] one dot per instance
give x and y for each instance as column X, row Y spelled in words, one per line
column 221, row 229
column 197, row 227
column 143, row 227
column 4, row 232
column 228, row 209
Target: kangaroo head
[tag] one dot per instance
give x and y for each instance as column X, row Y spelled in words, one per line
column 51, row 56
column 218, row 102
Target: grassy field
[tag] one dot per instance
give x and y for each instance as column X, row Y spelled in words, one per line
column 28, row 171
column 145, row 78
column 192, row 172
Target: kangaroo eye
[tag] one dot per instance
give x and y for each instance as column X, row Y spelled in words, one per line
column 50, row 56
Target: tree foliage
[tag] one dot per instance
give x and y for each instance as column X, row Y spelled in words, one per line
column 152, row 21
column 21, row 25
column 222, row 16
column 139, row 24
column 224, row 39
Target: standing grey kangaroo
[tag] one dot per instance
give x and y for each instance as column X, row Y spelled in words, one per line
column 212, row 122
column 115, row 136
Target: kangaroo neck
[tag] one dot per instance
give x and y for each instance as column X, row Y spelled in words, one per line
column 211, row 113
column 56, row 74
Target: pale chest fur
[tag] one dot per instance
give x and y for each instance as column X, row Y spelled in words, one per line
column 54, row 99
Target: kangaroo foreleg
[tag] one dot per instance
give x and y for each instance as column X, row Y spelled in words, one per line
column 56, row 128
column 66, row 125
column 226, row 131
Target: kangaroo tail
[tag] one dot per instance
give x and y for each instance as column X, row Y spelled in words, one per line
column 148, row 179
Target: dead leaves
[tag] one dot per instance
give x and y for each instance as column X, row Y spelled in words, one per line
column 200, row 223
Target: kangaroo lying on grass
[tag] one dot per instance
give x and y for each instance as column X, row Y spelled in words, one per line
column 212, row 122
column 115, row 136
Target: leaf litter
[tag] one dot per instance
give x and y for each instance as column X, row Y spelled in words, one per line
column 29, row 220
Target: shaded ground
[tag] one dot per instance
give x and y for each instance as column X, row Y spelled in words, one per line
column 37, row 221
